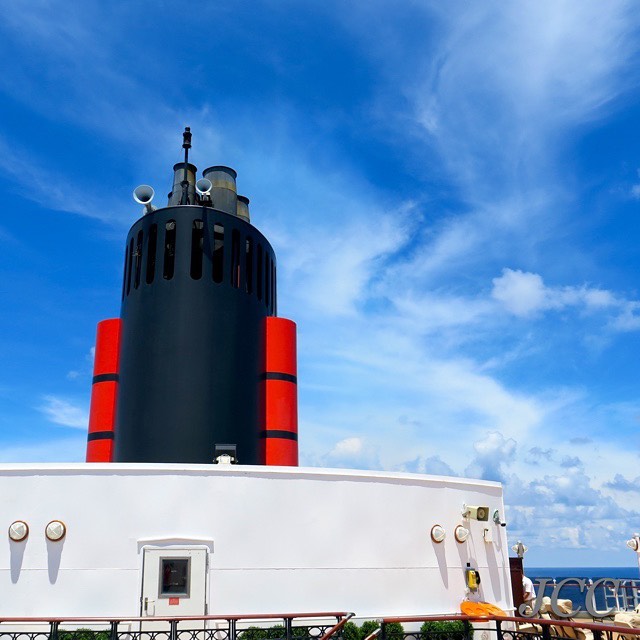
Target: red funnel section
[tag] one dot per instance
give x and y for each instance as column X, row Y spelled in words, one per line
column 104, row 392
column 279, row 435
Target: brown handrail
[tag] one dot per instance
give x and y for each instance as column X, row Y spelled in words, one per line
column 337, row 627
column 374, row 634
column 538, row 621
column 236, row 617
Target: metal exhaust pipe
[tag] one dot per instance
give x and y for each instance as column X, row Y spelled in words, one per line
column 243, row 208
column 223, row 192
column 175, row 196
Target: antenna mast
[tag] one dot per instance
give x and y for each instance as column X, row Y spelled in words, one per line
column 186, row 145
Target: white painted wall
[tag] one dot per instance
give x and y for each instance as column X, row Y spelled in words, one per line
column 280, row 539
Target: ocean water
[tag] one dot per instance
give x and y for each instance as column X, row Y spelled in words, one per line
column 572, row 591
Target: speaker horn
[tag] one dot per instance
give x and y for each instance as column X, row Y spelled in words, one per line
column 144, row 195
column 203, row 187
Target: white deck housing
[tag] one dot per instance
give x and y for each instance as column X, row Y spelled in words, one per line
column 277, row 539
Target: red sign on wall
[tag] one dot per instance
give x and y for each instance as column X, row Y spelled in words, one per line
column 174, row 601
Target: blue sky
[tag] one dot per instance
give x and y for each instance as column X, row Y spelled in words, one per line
column 453, row 193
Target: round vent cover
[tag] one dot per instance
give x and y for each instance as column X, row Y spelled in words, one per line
column 18, row 531
column 55, row 530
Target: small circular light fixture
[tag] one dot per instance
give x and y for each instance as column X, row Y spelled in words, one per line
column 438, row 534
column 461, row 534
column 18, row 531
column 55, row 530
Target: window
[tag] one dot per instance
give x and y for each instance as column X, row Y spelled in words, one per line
column 218, row 252
column 267, row 273
column 174, row 577
column 129, row 266
column 151, row 253
column 259, row 274
column 136, row 282
column 197, row 239
column 126, row 265
column 275, row 292
column 169, row 249
column 235, row 258
column 248, row 266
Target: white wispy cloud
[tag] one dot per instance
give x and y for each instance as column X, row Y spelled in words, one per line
column 63, row 412
column 525, row 294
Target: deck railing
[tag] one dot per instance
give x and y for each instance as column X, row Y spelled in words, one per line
column 502, row 628
column 287, row 626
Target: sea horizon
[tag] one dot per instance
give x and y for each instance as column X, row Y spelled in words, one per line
column 624, row 572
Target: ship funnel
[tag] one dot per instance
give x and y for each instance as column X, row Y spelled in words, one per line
column 144, row 195
column 243, row 208
column 223, row 193
column 175, row 197
column 203, row 187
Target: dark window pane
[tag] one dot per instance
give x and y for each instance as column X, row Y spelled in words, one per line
column 152, row 239
column 275, row 291
column 259, row 274
column 136, row 282
column 235, row 258
column 218, row 252
column 174, row 576
column 129, row 266
column 197, row 238
column 248, row 271
column 124, row 275
column 267, row 273
column 169, row 249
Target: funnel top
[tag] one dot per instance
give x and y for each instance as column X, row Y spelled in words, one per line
column 221, row 167
column 190, row 167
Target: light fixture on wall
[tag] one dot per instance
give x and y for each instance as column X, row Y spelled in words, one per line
column 498, row 520
column 461, row 534
column 55, row 530
column 438, row 534
column 18, row 531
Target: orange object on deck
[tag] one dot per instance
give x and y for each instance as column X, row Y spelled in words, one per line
column 480, row 609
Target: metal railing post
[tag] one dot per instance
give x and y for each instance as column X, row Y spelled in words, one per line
column 546, row 632
column 114, row 630
column 287, row 626
column 467, row 629
column 233, row 630
column 499, row 629
column 383, row 631
column 53, row 635
column 173, row 634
